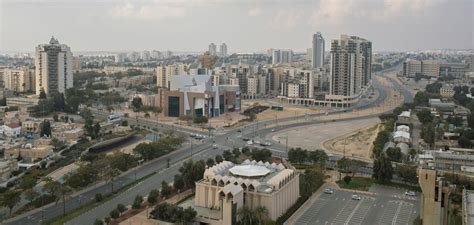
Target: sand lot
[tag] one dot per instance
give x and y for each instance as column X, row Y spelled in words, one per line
column 357, row 144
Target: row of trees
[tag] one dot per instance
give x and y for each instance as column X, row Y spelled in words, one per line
column 173, row 214
column 298, row 155
column 167, row 143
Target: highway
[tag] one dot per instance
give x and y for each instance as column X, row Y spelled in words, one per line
column 158, row 166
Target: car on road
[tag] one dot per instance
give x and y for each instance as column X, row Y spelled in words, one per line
column 250, row 142
column 239, row 130
column 266, row 143
column 356, row 197
column 246, row 139
column 328, row 191
column 214, row 146
column 256, row 142
column 410, row 193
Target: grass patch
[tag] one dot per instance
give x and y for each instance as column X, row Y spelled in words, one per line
column 357, row 183
column 86, row 207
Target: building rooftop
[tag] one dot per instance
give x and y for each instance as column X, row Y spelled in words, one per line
column 264, row 177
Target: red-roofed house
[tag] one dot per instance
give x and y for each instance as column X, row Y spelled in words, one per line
column 11, row 130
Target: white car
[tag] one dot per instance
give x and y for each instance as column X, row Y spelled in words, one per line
column 410, row 193
column 214, row 146
column 356, row 197
column 273, row 130
column 328, row 191
column 250, row 142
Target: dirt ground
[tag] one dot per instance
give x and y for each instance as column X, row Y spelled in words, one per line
column 289, row 110
column 357, row 144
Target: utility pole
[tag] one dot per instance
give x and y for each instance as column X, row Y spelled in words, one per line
column 287, row 143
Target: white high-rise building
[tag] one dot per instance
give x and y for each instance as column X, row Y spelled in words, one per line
column 54, row 72
column 351, row 62
column 212, row 49
column 318, row 50
column 282, row 56
column 223, row 50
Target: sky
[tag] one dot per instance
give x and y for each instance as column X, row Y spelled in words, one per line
column 244, row 25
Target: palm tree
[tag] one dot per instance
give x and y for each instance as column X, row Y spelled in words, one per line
column 64, row 191
column 247, row 216
column 10, row 199
column 261, row 212
column 109, row 174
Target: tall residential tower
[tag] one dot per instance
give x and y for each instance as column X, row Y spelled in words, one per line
column 223, row 50
column 317, row 56
column 53, row 67
column 351, row 62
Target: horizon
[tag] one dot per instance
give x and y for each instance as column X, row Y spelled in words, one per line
column 245, row 26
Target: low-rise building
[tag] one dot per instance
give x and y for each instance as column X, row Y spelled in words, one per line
column 467, row 207
column 195, row 96
column 12, row 130
column 7, row 167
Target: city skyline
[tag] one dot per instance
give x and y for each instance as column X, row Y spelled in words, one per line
column 144, row 25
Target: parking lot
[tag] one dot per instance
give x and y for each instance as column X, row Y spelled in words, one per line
column 384, row 205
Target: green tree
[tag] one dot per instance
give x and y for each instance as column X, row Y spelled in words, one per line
column 31, row 194
column 219, row 159
column 318, row 157
column 179, row 183
column 310, row 181
column 98, row 222
column 382, row 171
column 121, row 208
column 27, row 182
column 137, row 103
column 165, row 189
column 99, row 197
column 407, row 173
column 394, row 154
column 152, row 196
column 263, row 155
column 228, row 156
column 297, row 155
column 210, row 162
column 137, row 202
column 114, row 214
column 45, row 129
column 200, row 119
column 425, row 116
column 347, row 179
column 188, row 215
column 42, row 94
column 10, row 199
column 428, row 134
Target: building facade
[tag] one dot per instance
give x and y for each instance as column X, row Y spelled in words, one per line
column 280, row 56
column 164, row 74
column 226, row 188
column 212, row 49
column 317, row 50
column 351, row 60
column 19, row 80
column 223, row 50
column 54, row 67
column 430, row 68
column 195, row 96
column 435, row 197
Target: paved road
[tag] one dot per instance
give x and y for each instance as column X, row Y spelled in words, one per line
column 223, row 140
column 382, row 205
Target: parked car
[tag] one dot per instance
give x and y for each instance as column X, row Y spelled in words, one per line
column 356, row 197
column 410, row 193
column 266, row 143
column 246, row 139
column 214, row 146
column 328, row 191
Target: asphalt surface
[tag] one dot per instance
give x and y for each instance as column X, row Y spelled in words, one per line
column 224, row 141
column 382, row 205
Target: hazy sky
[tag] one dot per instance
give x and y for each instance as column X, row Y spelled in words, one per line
column 245, row 25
